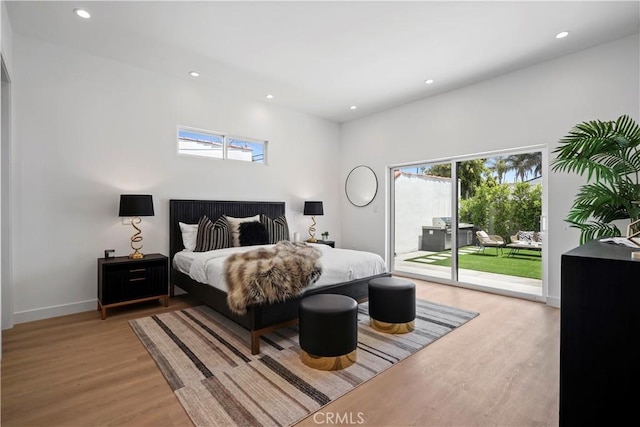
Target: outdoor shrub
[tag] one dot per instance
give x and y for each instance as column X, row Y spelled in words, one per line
column 526, row 202
column 504, row 209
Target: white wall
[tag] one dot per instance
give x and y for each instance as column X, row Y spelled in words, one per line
column 6, row 38
column 536, row 105
column 419, row 198
column 88, row 129
column 6, row 296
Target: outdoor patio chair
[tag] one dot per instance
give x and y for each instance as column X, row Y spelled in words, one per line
column 490, row 241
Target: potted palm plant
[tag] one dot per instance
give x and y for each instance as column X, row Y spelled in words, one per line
column 608, row 153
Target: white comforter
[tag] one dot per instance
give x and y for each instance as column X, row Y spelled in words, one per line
column 338, row 265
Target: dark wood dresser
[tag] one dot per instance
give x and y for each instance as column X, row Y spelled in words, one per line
column 599, row 335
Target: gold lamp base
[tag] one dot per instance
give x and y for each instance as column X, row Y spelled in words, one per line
column 136, row 238
column 312, row 231
column 136, row 255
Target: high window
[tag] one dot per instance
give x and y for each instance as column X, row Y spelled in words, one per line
column 202, row 143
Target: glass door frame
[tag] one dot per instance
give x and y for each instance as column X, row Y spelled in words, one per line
column 390, row 226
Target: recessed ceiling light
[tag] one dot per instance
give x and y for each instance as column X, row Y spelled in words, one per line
column 428, row 81
column 82, row 13
column 194, row 73
column 353, row 107
column 562, row 34
column 269, row 96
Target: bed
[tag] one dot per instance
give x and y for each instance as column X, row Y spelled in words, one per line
column 259, row 319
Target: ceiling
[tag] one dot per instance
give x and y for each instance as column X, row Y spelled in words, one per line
column 323, row 57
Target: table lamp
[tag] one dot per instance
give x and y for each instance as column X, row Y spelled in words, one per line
column 313, row 209
column 135, row 206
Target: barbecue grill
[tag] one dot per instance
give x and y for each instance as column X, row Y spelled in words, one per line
column 437, row 237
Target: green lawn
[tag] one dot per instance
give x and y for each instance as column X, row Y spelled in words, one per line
column 525, row 263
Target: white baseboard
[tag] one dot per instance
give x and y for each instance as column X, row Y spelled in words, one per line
column 553, row 302
column 62, row 310
column 79, row 307
column 54, row 311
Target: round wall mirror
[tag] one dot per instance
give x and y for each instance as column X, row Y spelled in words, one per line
column 361, row 186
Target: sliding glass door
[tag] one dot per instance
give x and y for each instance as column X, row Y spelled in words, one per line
column 472, row 221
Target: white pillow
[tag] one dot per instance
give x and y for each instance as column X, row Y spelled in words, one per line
column 234, row 224
column 189, row 235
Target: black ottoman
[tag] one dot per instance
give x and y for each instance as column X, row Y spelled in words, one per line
column 392, row 305
column 328, row 331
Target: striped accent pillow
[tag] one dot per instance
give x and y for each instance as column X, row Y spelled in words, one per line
column 278, row 229
column 212, row 235
column 525, row 236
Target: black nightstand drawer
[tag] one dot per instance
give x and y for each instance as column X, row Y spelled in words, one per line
column 123, row 281
column 132, row 282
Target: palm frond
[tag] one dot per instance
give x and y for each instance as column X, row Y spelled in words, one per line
column 599, row 148
column 581, row 165
column 619, row 164
column 596, row 230
column 628, row 129
column 601, row 202
column 634, row 159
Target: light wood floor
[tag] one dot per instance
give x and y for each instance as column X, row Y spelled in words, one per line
column 502, row 368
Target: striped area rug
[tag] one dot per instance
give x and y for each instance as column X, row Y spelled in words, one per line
column 207, row 362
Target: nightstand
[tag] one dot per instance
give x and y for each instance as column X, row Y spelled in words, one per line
column 123, row 281
column 327, row 242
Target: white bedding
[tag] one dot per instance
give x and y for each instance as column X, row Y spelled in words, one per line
column 338, row 265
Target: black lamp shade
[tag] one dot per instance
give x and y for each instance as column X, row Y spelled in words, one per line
column 313, row 208
column 136, row 205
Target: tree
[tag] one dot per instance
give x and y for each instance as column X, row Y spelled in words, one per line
column 524, row 164
column 442, row 169
column 535, row 161
column 470, row 174
column 519, row 164
column 498, row 165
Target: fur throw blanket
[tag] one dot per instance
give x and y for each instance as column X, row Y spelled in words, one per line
column 268, row 275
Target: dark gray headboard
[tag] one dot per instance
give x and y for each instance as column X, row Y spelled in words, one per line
column 190, row 211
